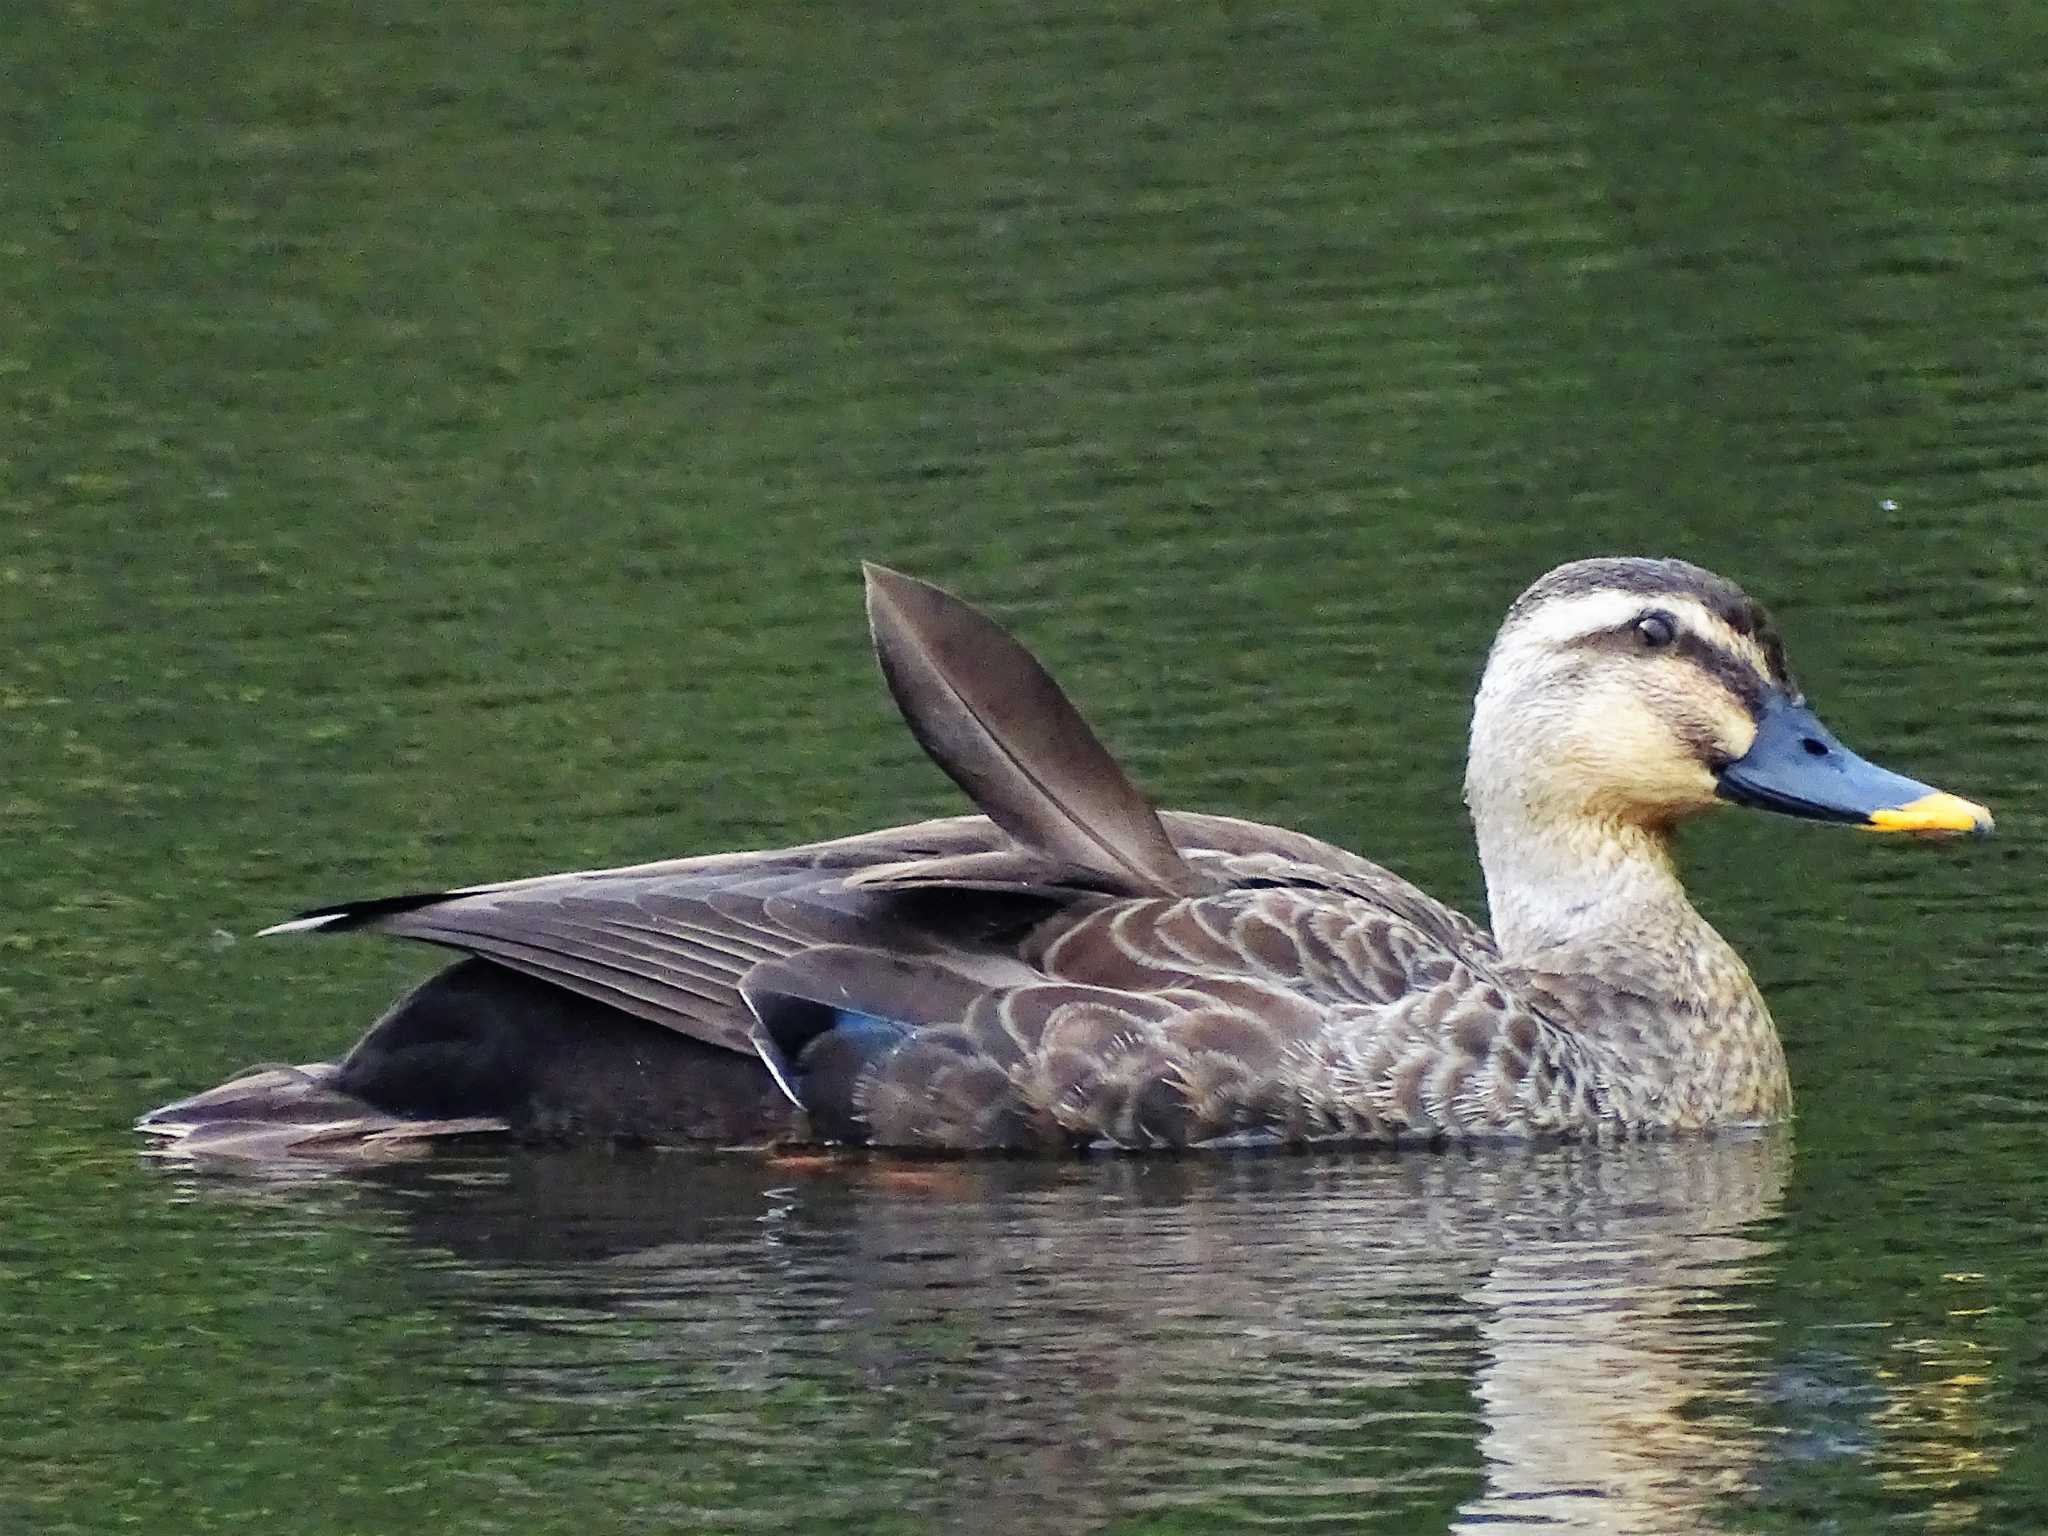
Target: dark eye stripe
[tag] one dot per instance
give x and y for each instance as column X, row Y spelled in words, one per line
column 1738, row 675
column 1735, row 673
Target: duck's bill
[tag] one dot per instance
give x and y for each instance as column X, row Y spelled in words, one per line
column 1796, row 766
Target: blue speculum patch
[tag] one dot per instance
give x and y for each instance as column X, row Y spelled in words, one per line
column 867, row 1032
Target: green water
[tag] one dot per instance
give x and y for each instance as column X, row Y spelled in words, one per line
column 434, row 446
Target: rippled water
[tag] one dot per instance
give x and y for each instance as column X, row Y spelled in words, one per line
column 1565, row 1336
column 434, row 446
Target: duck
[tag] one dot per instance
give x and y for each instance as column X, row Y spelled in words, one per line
column 1072, row 968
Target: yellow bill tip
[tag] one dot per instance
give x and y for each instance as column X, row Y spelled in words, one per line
column 1935, row 813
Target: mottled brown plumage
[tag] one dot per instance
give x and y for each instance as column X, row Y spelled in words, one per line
column 1076, row 969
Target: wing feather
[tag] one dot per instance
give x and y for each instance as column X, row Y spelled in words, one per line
column 993, row 718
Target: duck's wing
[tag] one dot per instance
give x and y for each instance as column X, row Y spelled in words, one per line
column 670, row 942
column 947, row 904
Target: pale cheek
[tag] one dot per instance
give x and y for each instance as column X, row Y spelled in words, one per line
column 1737, row 734
column 1678, row 790
column 1684, row 783
column 1686, row 786
column 1631, row 764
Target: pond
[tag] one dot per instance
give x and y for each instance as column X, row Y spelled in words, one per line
column 438, row 445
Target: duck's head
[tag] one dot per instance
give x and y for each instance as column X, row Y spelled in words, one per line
column 1639, row 692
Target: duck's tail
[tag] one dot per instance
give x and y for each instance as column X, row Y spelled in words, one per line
column 272, row 1113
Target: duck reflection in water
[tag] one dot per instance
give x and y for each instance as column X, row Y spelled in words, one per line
column 1561, row 1336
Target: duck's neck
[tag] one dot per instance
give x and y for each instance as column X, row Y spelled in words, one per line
column 1591, row 915
column 1559, row 882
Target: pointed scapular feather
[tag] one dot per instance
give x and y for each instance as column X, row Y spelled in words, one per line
column 993, row 718
column 1004, row 869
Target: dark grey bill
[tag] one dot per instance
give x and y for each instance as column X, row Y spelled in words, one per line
column 1798, row 767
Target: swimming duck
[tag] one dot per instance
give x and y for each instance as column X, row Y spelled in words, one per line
column 1073, row 968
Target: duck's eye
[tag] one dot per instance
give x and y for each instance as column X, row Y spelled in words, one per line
column 1655, row 630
